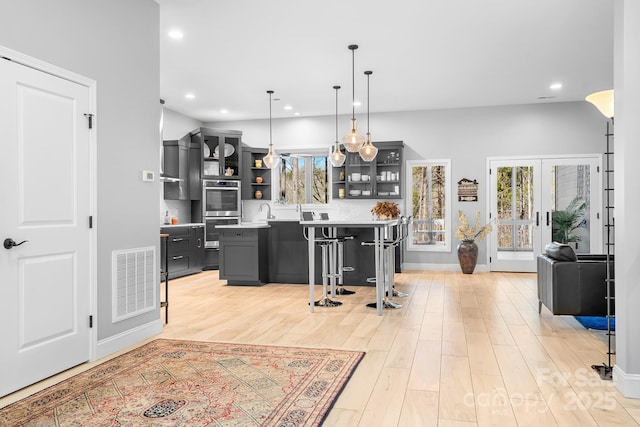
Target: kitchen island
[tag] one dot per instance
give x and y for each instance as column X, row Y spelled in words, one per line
column 287, row 253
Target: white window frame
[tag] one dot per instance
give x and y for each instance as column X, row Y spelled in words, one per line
column 308, row 154
column 446, row 246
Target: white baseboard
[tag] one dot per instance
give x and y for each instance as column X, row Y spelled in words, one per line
column 407, row 266
column 627, row 384
column 128, row 338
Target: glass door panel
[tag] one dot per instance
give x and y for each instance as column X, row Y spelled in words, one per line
column 515, row 241
column 570, row 215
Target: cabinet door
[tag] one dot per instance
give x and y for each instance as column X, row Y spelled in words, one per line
column 360, row 176
column 239, row 260
column 195, row 174
column 197, row 247
column 176, row 166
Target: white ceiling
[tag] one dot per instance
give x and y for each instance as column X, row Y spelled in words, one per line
column 424, row 54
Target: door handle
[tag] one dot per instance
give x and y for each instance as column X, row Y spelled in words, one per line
column 537, row 219
column 547, row 218
column 9, row 243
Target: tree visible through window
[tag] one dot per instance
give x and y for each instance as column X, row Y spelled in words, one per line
column 429, row 187
column 304, row 180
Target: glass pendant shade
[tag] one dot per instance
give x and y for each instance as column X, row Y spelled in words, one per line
column 353, row 140
column 368, row 152
column 337, row 157
column 603, row 101
column 271, row 159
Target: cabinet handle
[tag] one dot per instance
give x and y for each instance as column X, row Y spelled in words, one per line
column 547, row 218
column 177, row 240
column 199, row 243
column 537, row 219
column 178, row 257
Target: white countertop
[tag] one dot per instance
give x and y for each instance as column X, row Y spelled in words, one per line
column 186, row 224
column 349, row 222
column 245, row 225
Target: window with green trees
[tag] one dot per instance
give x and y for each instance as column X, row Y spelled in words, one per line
column 429, row 190
column 303, row 180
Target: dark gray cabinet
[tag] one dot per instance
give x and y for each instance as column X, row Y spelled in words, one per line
column 256, row 178
column 181, row 169
column 221, row 152
column 186, row 250
column 383, row 178
column 244, row 258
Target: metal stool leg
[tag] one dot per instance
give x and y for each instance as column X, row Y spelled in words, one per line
column 341, row 290
column 326, row 276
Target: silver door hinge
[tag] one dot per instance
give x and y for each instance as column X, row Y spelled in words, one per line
column 90, row 120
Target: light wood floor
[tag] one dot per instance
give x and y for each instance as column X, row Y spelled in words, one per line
column 465, row 350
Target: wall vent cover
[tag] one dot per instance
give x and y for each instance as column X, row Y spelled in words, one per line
column 134, row 287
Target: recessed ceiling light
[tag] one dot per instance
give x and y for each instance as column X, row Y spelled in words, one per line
column 176, row 34
column 189, row 96
column 288, row 107
column 357, row 103
column 223, row 111
column 556, row 86
column 296, row 114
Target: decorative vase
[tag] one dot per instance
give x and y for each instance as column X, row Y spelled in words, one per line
column 467, row 255
column 258, row 194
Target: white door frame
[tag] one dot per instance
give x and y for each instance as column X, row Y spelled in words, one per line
column 91, row 85
column 596, row 214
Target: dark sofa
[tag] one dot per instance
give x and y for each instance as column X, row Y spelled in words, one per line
column 573, row 285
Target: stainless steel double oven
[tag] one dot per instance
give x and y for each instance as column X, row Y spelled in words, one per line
column 221, row 205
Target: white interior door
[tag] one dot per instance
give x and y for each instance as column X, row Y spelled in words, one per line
column 45, row 202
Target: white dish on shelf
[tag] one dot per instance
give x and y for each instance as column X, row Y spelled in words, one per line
column 354, row 192
column 355, row 177
column 228, row 150
column 383, row 193
column 366, row 193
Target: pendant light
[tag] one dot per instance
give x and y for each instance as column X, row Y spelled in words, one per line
column 271, row 159
column 337, row 157
column 352, row 141
column 368, row 152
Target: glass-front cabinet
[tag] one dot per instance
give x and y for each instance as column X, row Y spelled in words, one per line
column 221, row 152
column 380, row 179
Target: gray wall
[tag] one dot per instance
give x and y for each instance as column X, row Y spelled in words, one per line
column 116, row 43
column 467, row 136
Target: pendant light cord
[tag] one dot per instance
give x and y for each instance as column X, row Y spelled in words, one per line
column 368, row 75
column 336, row 88
column 270, row 135
column 353, row 83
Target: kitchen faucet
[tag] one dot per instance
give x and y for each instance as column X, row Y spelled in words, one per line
column 269, row 215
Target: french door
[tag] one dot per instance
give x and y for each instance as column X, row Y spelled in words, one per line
column 540, row 200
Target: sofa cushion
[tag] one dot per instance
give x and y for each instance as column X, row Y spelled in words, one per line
column 560, row 252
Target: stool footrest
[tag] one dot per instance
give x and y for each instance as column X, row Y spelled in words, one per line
column 348, row 269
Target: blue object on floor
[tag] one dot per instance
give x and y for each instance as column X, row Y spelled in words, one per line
column 595, row 322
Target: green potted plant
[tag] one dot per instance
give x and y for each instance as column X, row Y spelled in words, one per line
column 566, row 222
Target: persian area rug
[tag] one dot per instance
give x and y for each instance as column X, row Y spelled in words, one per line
column 193, row 383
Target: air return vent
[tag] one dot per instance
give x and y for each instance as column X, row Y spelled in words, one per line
column 134, row 282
